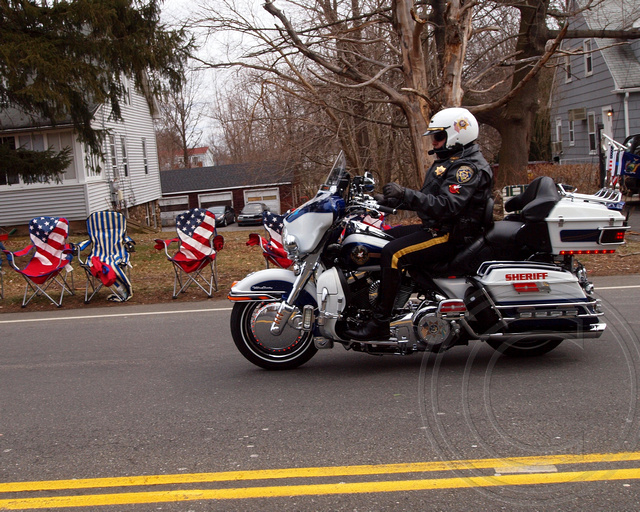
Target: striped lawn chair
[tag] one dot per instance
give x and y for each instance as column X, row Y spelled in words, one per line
column 49, row 265
column 107, row 264
column 195, row 261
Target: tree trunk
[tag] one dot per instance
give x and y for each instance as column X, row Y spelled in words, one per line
column 414, row 106
column 515, row 132
column 517, row 119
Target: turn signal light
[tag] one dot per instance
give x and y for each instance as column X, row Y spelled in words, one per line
column 594, row 251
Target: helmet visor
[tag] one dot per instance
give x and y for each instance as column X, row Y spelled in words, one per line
column 440, row 135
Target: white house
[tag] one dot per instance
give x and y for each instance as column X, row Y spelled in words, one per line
column 128, row 179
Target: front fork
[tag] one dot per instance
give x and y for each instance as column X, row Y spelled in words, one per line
column 287, row 307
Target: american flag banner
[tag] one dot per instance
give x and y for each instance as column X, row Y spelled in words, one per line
column 613, row 164
column 610, row 159
column 195, row 229
column 273, row 224
column 49, row 235
column 370, row 221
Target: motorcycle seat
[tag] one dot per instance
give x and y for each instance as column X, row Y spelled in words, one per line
column 535, row 203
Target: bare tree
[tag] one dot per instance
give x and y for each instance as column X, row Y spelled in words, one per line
column 414, row 58
column 182, row 114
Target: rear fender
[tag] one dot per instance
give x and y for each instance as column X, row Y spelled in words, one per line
column 272, row 284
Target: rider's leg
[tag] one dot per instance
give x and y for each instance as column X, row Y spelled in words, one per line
column 420, row 246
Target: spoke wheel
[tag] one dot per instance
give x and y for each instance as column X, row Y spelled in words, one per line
column 250, row 328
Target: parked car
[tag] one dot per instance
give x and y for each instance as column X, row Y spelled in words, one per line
column 251, row 214
column 224, row 215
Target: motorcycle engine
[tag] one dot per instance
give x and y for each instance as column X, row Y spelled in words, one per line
column 432, row 331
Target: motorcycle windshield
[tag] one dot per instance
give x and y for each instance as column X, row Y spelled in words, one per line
column 337, row 179
column 308, row 223
column 331, row 194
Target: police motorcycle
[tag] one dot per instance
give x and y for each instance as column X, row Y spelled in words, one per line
column 518, row 287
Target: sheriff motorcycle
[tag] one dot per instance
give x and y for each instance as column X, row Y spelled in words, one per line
column 518, row 287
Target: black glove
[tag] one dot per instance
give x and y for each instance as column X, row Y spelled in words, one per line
column 380, row 199
column 393, row 191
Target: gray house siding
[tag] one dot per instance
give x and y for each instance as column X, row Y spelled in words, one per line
column 20, row 206
column 611, row 93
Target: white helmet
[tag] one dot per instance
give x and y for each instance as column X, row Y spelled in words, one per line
column 460, row 126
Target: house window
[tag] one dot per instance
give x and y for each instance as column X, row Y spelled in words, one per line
column 6, row 179
column 92, row 162
column 58, row 142
column 567, row 68
column 591, row 124
column 558, row 130
column 40, row 142
column 572, row 135
column 144, row 156
column 113, row 155
column 123, row 148
column 588, row 58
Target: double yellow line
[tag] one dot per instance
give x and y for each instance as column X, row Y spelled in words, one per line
column 507, row 472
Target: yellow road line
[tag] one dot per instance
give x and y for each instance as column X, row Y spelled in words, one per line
column 310, row 472
column 319, row 489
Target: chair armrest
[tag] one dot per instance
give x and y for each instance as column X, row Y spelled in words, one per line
column 254, row 239
column 129, row 244
column 218, row 242
column 164, row 244
column 12, row 255
column 79, row 247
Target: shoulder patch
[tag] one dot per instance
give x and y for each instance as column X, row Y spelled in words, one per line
column 464, row 174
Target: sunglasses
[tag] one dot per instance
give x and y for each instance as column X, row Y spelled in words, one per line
column 440, row 136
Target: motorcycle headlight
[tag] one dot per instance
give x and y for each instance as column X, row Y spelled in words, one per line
column 290, row 243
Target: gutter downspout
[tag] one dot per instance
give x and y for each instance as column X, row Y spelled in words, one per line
column 626, row 93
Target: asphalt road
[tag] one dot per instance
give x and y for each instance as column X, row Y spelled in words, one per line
column 153, row 408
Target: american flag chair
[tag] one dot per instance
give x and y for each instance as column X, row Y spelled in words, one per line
column 195, row 261
column 108, row 262
column 49, row 265
column 271, row 245
column 3, row 236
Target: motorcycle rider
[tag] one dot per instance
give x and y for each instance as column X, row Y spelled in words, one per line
column 451, row 204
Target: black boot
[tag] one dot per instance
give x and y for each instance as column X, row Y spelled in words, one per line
column 378, row 327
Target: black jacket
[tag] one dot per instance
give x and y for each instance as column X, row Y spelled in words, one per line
column 454, row 193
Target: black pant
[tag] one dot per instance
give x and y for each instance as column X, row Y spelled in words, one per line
column 414, row 245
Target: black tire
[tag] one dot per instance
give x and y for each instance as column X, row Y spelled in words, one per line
column 524, row 347
column 289, row 350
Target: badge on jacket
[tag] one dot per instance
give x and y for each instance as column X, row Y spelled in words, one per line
column 454, row 189
column 464, row 174
column 439, row 170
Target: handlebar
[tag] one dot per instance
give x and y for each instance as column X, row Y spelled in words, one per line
column 387, row 209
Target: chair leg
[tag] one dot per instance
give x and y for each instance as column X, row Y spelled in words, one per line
column 42, row 290
column 95, row 284
column 196, row 277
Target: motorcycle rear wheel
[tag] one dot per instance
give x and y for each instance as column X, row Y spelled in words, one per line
column 250, row 322
column 524, row 348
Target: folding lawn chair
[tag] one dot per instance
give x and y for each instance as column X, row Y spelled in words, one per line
column 195, row 261
column 107, row 265
column 272, row 249
column 3, row 236
column 50, row 263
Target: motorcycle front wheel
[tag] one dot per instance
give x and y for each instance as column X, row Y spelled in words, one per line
column 250, row 329
column 524, row 347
